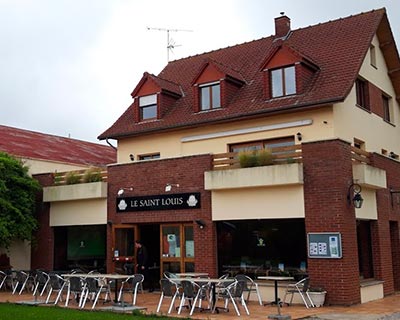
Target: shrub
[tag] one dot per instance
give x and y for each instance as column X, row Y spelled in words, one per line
column 72, row 177
column 92, row 175
column 248, row 159
column 265, row 157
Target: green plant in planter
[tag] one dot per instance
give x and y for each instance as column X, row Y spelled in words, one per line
column 92, row 175
column 248, row 159
column 57, row 178
column 72, row 177
column 265, row 157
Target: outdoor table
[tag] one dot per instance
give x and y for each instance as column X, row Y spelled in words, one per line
column 192, row 274
column 276, row 279
column 109, row 276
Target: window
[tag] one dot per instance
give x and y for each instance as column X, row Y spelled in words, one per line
column 386, row 108
column 148, row 107
column 263, row 144
column 362, row 93
column 359, row 144
column 210, row 96
column 283, row 81
column 149, row 156
column 372, row 56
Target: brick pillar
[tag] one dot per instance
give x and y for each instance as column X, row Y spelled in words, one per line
column 42, row 252
column 327, row 176
column 394, row 239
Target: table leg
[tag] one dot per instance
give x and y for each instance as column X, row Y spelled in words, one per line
column 276, row 292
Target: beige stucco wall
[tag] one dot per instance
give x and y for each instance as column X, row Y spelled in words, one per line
column 19, row 254
column 368, row 210
column 353, row 122
column 258, row 203
column 313, row 125
column 79, row 212
column 42, row 166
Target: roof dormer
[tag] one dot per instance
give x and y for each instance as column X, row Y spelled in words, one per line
column 214, row 86
column 154, row 97
column 287, row 73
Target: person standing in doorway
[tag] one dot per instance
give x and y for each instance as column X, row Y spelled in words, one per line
column 142, row 263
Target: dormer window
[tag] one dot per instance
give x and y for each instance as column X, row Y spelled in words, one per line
column 148, row 107
column 210, row 96
column 283, row 81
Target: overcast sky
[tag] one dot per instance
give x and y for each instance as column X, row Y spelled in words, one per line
column 67, row 67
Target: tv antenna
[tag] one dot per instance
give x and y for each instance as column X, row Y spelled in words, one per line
column 170, row 42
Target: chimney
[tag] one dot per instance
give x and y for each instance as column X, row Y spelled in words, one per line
column 282, row 26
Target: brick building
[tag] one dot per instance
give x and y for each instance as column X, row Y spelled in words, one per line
column 323, row 102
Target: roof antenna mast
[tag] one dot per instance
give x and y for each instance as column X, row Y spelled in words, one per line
column 170, row 42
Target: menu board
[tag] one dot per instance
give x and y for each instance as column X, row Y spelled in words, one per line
column 324, row 245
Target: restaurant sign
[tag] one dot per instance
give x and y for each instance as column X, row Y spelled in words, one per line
column 159, row 202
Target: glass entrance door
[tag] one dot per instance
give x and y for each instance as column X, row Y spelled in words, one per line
column 177, row 248
column 123, row 248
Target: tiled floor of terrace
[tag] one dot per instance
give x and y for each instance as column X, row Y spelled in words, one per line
column 377, row 309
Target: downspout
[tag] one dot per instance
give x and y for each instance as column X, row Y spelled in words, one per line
column 109, row 143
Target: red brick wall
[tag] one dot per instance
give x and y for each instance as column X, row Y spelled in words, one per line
column 150, row 178
column 386, row 234
column 327, row 176
column 43, row 247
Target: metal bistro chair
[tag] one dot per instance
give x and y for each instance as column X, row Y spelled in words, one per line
column 301, row 287
column 94, row 287
column 231, row 293
column 41, row 281
column 170, row 290
column 192, row 292
column 57, row 284
column 21, row 280
column 251, row 286
column 76, row 286
column 6, row 280
column 131, row 285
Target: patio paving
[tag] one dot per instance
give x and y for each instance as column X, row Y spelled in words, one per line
column 383, row 309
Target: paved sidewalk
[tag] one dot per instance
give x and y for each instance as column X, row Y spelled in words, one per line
column 383, row 309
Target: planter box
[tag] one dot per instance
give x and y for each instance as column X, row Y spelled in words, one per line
column 318, row 298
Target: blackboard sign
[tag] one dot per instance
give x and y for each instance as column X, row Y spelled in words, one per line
column 159, row 202
column 324, row 245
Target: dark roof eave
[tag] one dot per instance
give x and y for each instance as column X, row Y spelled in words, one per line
column 229, row 118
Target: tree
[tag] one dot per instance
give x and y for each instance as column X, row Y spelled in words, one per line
column 17, row 201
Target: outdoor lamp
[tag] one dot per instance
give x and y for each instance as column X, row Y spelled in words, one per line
column 121, row 191
column 354, row 196
column 200, row 223
column 169, row 186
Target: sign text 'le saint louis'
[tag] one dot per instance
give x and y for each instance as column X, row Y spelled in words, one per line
column 159, row 202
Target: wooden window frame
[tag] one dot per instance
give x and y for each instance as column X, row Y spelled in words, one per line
column 147, row 105
column 212, row 104
column 362, row 98
column 284, row 81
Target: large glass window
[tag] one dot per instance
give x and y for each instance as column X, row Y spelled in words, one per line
column 254, row 247
column 210, row 96
column 148, row 107
column 283, row 81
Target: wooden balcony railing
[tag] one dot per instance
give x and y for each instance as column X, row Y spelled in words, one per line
column 289, row 154
column 80, row 176
column 281, row 155
column 360, row 156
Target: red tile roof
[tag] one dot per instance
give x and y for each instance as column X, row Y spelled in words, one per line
column 35, row 145
column 336, row 47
